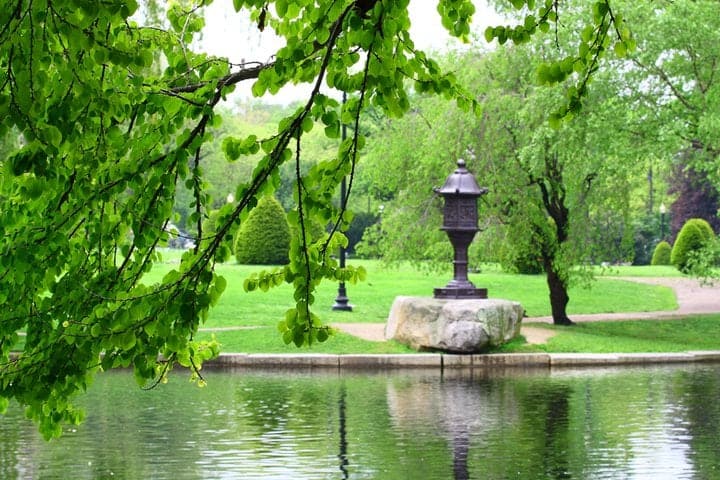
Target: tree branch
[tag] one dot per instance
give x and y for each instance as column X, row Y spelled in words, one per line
column 668, row 82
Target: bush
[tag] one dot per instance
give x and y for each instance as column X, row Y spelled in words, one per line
column 264, row 238
column 369, row 245
column 360, row 222
column 705, row 228
column 694, row 236
column 522, row 250
column 662, row 253
column 209, row 224
column 644, row 235
column 524, row 263
column 704, row 263
column 314, row 232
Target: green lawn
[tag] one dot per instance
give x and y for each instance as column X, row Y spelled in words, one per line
column 700, row 332
column 259, row 312
column 372, row 299
column 267, row 340
column 639, row 271
column 246, row 322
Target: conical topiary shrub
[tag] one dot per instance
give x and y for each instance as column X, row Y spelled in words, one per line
column 264, row 238
column 693, row 236
column 705, row 228
column 661, row 255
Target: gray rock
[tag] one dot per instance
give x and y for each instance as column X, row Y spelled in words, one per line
column 459, row 326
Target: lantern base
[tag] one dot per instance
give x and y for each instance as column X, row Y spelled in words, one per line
column 460, row 293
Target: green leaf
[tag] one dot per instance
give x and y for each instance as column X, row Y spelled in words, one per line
column 259, row 88
column 620, row 49
column 281, row 7
column 298, row 337
column 249, row 284
column 96, row 330
column 489, row 34
column 53, row 136
column 220, row 284
column 307, row 124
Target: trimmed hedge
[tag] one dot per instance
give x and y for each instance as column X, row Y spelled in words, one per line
column 704, row 227
column 264, row 238
column 693, row 236
column 662, row 253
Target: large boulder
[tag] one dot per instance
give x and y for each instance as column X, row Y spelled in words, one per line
column 458, row 326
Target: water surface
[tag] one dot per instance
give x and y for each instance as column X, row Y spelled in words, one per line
column 592, row 424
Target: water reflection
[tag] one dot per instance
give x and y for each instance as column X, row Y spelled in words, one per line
column 639, row 423
column 342, row 454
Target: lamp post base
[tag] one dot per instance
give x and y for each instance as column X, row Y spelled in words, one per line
column 342, row 302
column 460, row 293
column 342, row 305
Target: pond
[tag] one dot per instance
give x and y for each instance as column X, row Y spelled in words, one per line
column 660, row 422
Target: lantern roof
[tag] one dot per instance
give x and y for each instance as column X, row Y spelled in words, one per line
column 461, row 182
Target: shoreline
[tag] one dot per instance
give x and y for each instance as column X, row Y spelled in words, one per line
column 450, row 361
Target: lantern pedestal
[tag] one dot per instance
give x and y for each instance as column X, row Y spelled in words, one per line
column 460, row 286
column 452, row 292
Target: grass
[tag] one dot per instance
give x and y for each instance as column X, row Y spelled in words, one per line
column 372, row 299
column 700, row 332
column 254, row 315
column 267, row 340
column 246, row 322
column 639, row 271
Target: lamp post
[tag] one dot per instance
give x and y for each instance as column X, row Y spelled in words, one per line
column 662, row 221
column 460, row 218
column 342, row 302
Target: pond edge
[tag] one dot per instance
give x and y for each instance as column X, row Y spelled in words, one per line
column 443, row 360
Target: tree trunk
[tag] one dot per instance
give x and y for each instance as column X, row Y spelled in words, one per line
column 559, row 297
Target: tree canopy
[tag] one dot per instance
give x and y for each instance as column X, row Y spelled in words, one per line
column 550, row 188
column 112, row 114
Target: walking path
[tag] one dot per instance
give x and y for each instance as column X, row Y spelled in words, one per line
column 692, row 297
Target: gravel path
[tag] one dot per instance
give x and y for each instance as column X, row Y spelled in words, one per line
column 692, row 297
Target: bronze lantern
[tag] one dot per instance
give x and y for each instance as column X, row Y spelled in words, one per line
column 460, row 222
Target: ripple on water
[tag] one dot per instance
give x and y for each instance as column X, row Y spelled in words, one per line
column 630, row 424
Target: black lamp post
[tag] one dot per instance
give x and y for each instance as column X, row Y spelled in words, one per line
column 342, row 302
column 460, row 219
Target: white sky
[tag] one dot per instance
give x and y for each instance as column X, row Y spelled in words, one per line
column 229, row 35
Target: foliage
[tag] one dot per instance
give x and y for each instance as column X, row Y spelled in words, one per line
column 115, row 119
column 705, row 262
column 522, row 252
column 689, row 239
column 677, row 63
column 360, row 223
column 546, row 184
column 606, row 32
column 611, row 236
column 662, row 254
column 369, row 246
column 697, row 197
column 264, row 238
column 209, row 224
column 693, row 236
column 646, row 234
